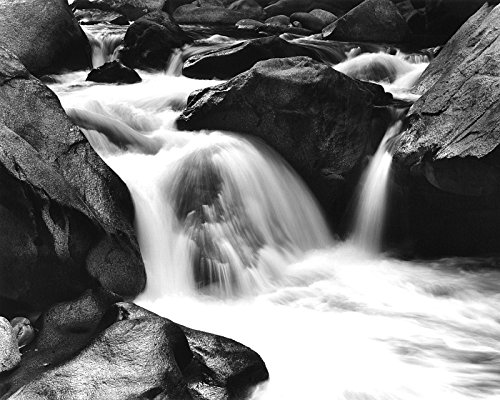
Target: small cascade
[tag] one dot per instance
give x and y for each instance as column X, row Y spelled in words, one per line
column 105, row 43
column 371, row 208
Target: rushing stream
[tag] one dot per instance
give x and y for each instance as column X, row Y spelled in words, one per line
column 235, row 244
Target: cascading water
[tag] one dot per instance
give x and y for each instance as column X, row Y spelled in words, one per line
column 104, row 41
column 371, row 209
column 234, row 244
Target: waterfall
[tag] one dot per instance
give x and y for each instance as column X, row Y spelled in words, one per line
column 104, row 43
column 371, row 207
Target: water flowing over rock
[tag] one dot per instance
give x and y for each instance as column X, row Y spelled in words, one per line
column 44, row 35
column 321, row 121
column 149, row 41
column 114, row 72
column 228, row 62
column 450, row 145
column 90, row 348
column 66, row 218
column 131, row 9
column 371, row 21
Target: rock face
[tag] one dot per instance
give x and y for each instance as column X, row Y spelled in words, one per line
column 228, row 62
column 451, row 144
column 91, row 349
column 114, row 72
column 131, row 9
column 321, row 121
column 9, row 351
column 65, row 217
column 44, row 35
column 371, row 21
column 149, row 41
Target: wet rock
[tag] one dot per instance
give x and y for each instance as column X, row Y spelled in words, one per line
column 371, row 21
column 319, row 120
column 44, row 34
column 228, row 62
column 448, row 158
column 150, row 40
column 91, row 349
column 93, row 16
column 194, row 13
column 281, row 20
column 325, row 16
column 9, row 351
column 307, row 21
column 130, row 9
column 250, row 8
column 59, row 203
column 114, row 72
column 249, row 24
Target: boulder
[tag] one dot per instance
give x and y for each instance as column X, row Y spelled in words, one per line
column 448, row 158
column 319, row 120
column 307, row 21
column 93, row 16
column 228, row 62
column 288, row 7
column 149, row 41
column 371, row 21
column 194, row 13
column 130, row 9
column 325, row 16
column 250, row 8
column 280, row 20
column 249, row 25
column 114, row 72
column 44, row 34
column 9, row 350
column 65, row 217
column 90, row 349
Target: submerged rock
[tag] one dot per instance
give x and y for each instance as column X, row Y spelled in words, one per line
column 44, row 34
column 65, row 217
column 130, row 9
column 114, row 72
column 230, row 61
column 9, row 350
column 91, row 349
column 319, row 120
column 371, row 21
column 451, row 144
column 150, row 40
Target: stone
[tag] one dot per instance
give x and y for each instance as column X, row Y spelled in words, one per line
column 325, row 16
column 93, row 16
column 9, row 351
column 114, row 72
column 45, row 35
column 307, row 21
column 372, row 21
column 130, row 9
column 150, row 40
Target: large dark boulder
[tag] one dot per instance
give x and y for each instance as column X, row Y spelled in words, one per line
column 230, row 61
column 448, row 158
column 371, row 21
column 130, row 9
column 44, row 35
column 65, row 217
column 308, row 21
column 91, row 348
column 113, row 72
column 150, row 40
column 319, row 120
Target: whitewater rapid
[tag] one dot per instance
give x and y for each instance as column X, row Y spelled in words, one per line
column 235, row 244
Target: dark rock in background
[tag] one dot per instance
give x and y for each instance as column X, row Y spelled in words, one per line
column 448, row 158
column 114, row 72
column 372, row 21
column 94, row 16
column 130, row 9
column 150, row 40
column 217, row 13
column 228, row 62
column 91, row 348
column 44, row 34
column 319, row 120
column 307, row 21
column 66, row 218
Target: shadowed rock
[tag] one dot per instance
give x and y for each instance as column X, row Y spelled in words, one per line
column 450, row 144
column 93, row 16
column 131, row 9
column 114, row 72
column 44, row 35
column 321, row 121
column 65, row 217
